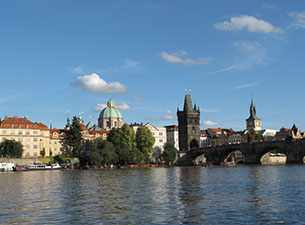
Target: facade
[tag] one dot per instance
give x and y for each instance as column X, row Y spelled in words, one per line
column 110, row 117
column 172, row 135
column 34, row 137
column 188, row 123
column 253, row 122
column 204, row 139
column 268, row 134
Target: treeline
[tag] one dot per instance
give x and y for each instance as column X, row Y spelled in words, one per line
column 122, row 147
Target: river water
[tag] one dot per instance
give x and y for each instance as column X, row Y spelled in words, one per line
column 193, row 195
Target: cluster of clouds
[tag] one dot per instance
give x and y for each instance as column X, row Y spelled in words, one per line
column 209, row 123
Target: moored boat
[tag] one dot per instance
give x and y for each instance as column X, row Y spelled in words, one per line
column 42, row 166
column 6, row 166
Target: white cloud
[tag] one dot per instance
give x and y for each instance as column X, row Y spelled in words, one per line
column 138, row 99
column 78, row 70
column 94, row 83
column 249, row 23
column 119, row 106
column 247, row 85
column 181, row 58
column 167, row 117
column 299, row 18
column 222, row 70
column 251, row 54
column 169, row 111
column 122, row 106
column 128, row 63
column 99, row 107
column 209, row 123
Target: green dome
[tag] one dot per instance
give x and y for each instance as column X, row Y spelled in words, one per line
column 110, row 112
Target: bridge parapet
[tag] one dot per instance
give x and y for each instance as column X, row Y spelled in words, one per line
column 293, row 149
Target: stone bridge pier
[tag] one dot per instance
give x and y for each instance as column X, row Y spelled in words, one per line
column 252, row 152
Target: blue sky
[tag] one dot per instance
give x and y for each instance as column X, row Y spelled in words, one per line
column 71, row 54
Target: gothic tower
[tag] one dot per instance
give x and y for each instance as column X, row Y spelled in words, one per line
column 188, row 123
column 253, row 122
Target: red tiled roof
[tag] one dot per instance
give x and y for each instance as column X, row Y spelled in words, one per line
column 23, row 123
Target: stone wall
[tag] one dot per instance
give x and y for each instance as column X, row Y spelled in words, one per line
column 18, row 161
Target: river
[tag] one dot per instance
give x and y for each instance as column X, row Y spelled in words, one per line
column 178, row 195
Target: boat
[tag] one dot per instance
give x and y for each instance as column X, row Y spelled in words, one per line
column 7, row 167
column 230, row 164
column 42, row 166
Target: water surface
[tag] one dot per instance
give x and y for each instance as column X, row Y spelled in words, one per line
column 193, row 195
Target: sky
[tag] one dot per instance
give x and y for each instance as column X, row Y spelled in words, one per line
column 75, row 55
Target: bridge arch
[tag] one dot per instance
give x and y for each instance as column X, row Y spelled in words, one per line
column 272, row 149
column 194, row 144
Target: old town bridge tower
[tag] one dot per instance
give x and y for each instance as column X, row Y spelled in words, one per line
column 188, row 123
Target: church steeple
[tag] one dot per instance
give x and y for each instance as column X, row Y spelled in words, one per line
column 253, row 122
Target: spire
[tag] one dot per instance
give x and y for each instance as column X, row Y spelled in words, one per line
column 188, row 105
column 253, row 110
column 51, row 126
column 80, row 117
column 68, row 119
column 26, row 114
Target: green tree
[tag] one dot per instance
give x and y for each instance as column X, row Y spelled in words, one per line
column 145, row 142
column 11, row 149
column 43, row 152
column 73, row 138
column 169, row 154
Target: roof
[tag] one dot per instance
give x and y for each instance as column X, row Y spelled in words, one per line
column 110, row 111
column 252, row 112
column 21, row 123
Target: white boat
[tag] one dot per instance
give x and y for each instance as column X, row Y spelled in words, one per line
column 7, row 166
column 42, row 166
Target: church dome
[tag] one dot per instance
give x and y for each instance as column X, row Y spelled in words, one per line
column 110, row 111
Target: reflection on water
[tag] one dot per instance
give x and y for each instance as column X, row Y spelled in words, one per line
column 239, row 195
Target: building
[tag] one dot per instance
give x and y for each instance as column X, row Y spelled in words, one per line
column 268, row 134
column 188, row 123
column 286, row 133
column 204, row 139
column 110, row 117
column 253, row 122
column 35, row 137
column 172, row 135
column 159, row 133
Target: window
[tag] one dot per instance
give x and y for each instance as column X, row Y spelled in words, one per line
column 12, row 132
column 55, row 148
column 160, row 140
column 35, row 132
column 160, row 133
column 115, row 123
column 153, row 133
column 35, row 154
column 20, row 139
column 4, row 132
column 35, row 139
column 35, row 146
column 108, row 123
column 20, row 132
column 28, row 139
column 27, row 154
column 27, row 146
column 27, row 132
column 12, row 138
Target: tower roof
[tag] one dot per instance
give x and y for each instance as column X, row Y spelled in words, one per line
column 253, row 111
column 188, row 105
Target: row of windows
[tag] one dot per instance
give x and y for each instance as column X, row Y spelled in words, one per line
column 160, row 133
column 20, row 132
column 21, row 139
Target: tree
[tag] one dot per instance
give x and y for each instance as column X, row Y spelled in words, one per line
column 169, row 154
column 73, row 138
column 43, row 152
column 11, row 149
column 126, row 146
column 145, row 142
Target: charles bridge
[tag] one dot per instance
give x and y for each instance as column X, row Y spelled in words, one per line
column 252, row 152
